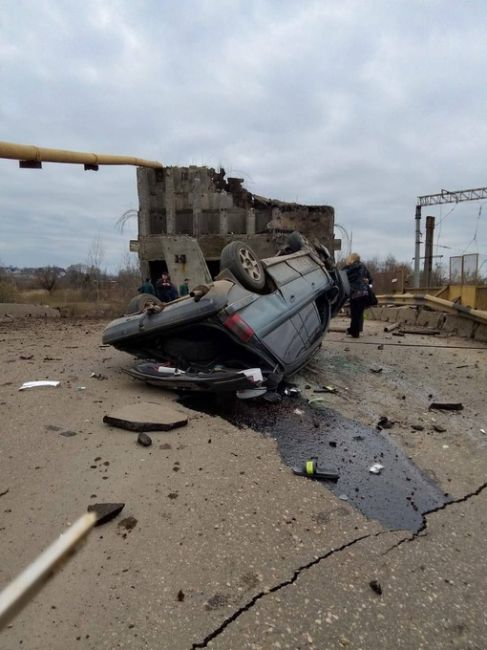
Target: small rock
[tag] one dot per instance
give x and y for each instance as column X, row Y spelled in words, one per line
column 417, row 427
column 380, row 347
column 180, row 596
column 376, row 587
column 385, row 423
column 439, row 428
column 375, row 370
column 144, row 440
column 68, row 434
column 129, row 523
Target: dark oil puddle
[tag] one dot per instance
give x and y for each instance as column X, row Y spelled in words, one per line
column 396, row 497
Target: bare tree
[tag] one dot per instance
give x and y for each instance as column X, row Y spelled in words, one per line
column 96, row 257
column 48, row 276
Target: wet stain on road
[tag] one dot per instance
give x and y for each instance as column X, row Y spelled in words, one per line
column 397, row 497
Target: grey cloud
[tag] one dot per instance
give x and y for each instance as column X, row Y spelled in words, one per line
column 359, row 105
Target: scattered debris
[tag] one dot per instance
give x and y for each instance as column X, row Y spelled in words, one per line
column 376, row 587
column 376, row 468
column 105, row 511
column 80, row 387
column 180, row 596
column 417, row 427
column 343, row 497
column 39, row 384
column 317, row 403
column 326, row 389
column 98, row 375
column 26, row 357
column 144, row 440
column 68, row 434
column 481, row 431
column 312, row 470
column 417, row 330
column 446, row 406
column 385, row 423
column 4, row 492
column 398, row 333
column 380, row 347
column 129, row 523
column 298, row 412
column 391, row 328
column 439, row 428
column 146, row 416
column 375, row 370
column 292, row 392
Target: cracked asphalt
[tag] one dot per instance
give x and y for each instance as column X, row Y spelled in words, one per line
column 230, row 548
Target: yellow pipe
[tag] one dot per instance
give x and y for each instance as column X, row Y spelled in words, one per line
column 30, row 153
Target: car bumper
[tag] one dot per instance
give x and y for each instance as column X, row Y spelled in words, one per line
column 219, row 381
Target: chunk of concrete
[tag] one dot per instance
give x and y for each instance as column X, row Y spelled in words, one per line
column 146, row 416
column 105, row 511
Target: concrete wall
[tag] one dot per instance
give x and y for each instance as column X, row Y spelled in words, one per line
column 204, row 203
column 449, row 323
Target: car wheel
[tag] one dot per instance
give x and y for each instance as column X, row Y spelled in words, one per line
column 241, row 260
column 295, row 241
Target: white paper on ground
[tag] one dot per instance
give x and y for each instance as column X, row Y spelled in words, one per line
column 38, row 384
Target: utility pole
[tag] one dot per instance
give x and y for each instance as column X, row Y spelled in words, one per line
column 428, row 251
column 444, row 196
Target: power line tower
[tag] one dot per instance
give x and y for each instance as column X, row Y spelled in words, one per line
column 444, row 196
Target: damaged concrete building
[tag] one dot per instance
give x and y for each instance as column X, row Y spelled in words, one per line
column 179, row 206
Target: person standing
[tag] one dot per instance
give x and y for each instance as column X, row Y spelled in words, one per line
column 184, row 288
column 147, row 287
column 166, row 291
column 359, row 279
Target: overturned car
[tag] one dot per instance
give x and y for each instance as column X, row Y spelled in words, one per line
column 258, row 323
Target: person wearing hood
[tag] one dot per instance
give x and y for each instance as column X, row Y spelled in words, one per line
column 360, row 280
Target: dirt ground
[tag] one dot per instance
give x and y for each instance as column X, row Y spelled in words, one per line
column 230, row 549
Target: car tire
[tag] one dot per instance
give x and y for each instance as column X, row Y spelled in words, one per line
column 295, row 241
column 241, row 260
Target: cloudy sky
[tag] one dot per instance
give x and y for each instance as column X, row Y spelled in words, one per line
column 360, row 105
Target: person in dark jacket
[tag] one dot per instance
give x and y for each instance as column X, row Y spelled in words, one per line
column 184, row 288
column 147, row 287
column 360, row 279
column 166, row 291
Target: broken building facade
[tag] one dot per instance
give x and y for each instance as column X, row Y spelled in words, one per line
column 180, row 203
